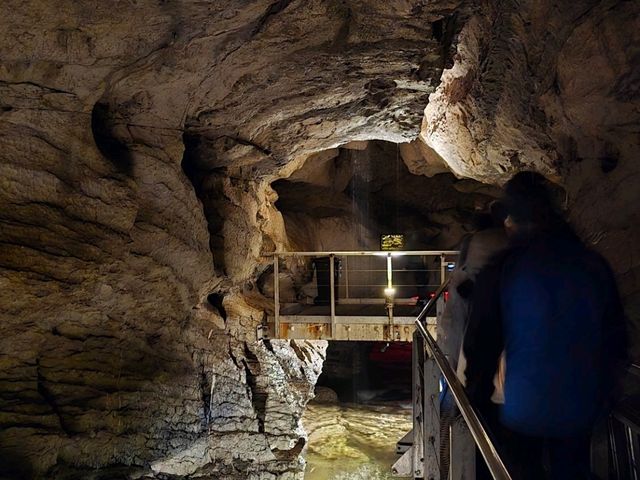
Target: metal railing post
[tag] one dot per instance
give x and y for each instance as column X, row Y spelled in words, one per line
column 462, row 447
column 431, row 410
column 389, row 296
column 346, row 277
column 417, row 365
column 632, row 451
column 443, row 268
column 276, row 295
column 332, row 282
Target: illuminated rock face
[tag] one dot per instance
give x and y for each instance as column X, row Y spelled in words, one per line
column 553, row 87
column 138, row 142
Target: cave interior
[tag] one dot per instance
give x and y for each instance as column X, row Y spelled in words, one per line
column 154, row 154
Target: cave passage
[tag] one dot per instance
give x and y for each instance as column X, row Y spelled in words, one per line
column 158, row 159
column 346, row 198
column 367, row 372
column 339, row 208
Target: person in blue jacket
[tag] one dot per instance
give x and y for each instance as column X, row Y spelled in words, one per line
column 552, row 304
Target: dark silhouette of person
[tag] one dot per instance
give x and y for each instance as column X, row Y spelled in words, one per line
column 552, row 304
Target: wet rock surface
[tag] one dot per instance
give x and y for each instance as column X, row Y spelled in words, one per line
column 353, row 442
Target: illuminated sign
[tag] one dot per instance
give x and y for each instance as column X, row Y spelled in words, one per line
column 391, row 242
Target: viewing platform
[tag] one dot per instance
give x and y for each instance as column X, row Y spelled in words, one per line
column 359, row 295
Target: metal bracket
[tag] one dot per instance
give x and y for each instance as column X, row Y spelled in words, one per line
column 262, row 332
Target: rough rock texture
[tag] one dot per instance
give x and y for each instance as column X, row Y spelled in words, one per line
column 554, row 87
column 138, row 144
column 354, row 442
column 345, row 199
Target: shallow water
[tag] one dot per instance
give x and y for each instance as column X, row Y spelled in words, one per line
column 353, row 442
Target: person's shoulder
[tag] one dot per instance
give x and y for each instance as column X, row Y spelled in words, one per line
column 501, row 259
column 510, row 253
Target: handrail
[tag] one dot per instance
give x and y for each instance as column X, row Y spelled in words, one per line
column 626, row 410
column 389, row 287
column 432, row 301
column 479, row 433
column 373, row 253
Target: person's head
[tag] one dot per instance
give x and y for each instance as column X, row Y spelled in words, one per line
column 529, row 204
column 498, row 211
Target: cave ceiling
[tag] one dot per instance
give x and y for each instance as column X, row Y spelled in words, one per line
column 260, row 82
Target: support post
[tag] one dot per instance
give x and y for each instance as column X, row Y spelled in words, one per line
column 346, row 277
column 443, row 268
column 417, row 391
column 389, row 294
column 431, row 419
column 613, row 445
column 440, row 306
column 332, row 282
column 276, row 295
column 632, row 451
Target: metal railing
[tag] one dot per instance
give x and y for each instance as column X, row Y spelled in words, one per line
column 623, row 435
column 623, row 425
column 478, row 431
column 386, row 277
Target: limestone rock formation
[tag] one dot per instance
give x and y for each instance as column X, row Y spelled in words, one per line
column 138, row 143
column 553, row 87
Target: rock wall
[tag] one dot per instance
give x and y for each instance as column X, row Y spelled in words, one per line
column 553, row 87
column 344, row 199
column 114, row 365
column 137, row 144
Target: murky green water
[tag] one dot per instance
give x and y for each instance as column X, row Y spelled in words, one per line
column 353, row 442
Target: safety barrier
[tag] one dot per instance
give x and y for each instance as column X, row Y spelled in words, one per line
column 361, row 295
